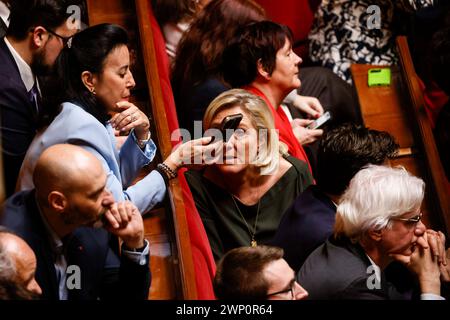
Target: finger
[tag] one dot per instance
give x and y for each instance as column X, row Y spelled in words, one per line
column 401, row 258
column 201, row 141
column 422, row 242
column 301, row 122
column 116, row 215
column 123, row 208
column 123, row 105
column 111, row 219
column 315, row 132
column 310, row 111
column 443, row 254
column 131, row 125
column 316, row 106
column 434, row 246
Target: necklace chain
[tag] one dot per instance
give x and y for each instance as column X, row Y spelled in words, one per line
column 253, row 242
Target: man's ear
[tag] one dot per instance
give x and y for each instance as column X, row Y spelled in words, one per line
column 57, row 201
column 375, row 235
column 261, row 70
column 39, row 37
column 89, row 80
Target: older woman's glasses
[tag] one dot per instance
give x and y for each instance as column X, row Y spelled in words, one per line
column 414, row 219
column 291, row 289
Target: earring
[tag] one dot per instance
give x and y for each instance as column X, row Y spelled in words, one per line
column 93, row 91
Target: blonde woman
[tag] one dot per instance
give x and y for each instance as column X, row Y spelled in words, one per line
column 242, row 197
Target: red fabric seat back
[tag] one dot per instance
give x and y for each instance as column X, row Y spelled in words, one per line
column 204, row 263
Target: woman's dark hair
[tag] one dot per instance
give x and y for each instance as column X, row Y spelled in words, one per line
column 87, row 52
column 199, row 54
column 256, row 41
column 173, row 11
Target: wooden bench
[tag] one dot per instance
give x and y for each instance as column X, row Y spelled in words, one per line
column 399, row 110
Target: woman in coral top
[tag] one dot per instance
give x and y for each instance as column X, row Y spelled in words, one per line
column 261, row 60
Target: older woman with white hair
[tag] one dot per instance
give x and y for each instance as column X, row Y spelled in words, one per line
column 242, row 197
column 378, row 220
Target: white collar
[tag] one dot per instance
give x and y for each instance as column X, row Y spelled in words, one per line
column 25, row 71
column 4, row 13
column 376, row 269
column 55, row 240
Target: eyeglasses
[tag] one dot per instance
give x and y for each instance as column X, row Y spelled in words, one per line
column 414, row 219
column 290, row 289
column 64, row 39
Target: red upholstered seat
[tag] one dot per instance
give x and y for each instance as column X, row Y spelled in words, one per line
column 296, row 14
column 201, row 251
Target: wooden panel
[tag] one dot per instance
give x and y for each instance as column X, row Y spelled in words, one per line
column 383, row 107
column 183, row 244
column 389, row 109
column 438, row 180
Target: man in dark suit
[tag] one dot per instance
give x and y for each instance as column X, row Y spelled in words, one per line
column 310, row 220
column 37, row 32
column 378, row 221
column 75, row 261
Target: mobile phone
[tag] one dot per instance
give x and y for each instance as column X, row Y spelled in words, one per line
column 230, row 122
column 379, row 77
column 320, row 121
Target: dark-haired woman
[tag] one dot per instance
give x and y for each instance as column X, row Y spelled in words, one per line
column 95, row 78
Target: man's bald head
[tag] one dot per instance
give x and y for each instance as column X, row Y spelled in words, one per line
column 18, row 262
column 65, row 167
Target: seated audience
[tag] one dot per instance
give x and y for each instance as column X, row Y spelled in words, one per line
column 346, row 32
column 242, row 197
column 256, row 273
column 197, row 75
column 17, row 268
column 342, row 152
column 55, row 219
column 198, row 72
column 94, row 72
column 36, row 34
column 378, row 220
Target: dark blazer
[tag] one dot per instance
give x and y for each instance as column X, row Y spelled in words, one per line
column 305, row 225
column 103, row 274
column 18, row 118
column 338, row 269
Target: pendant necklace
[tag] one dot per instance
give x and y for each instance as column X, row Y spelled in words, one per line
column 253, row 242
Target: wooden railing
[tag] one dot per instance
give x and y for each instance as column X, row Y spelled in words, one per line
column 435, row 170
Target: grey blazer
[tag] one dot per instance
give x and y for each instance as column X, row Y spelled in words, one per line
column 76, row 126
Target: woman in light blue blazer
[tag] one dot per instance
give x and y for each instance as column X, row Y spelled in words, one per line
column 94, row 81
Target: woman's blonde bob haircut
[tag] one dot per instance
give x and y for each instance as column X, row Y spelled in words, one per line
column 256, row 109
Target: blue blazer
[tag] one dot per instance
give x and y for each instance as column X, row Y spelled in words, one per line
column 18, row 118
column 103, row 274
column 75, row 126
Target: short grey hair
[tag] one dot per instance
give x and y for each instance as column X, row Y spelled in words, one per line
column 375, row 195
column 7, row 265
